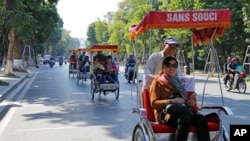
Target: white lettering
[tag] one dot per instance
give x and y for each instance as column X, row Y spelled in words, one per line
column 239, row 132
column 243, row 131
column 178, row 17
column 169, row 17
column 208, row 16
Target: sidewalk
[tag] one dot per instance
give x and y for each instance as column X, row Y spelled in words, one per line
column 14, row 82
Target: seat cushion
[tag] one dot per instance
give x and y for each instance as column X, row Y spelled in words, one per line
column 160, row 128
column 212, row 118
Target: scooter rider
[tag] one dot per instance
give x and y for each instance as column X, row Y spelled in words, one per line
column 130, row 62
column 226, row 73
column 60, row 60
column 231, row 67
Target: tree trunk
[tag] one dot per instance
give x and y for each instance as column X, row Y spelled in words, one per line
column 9, row 65
column 18, row 62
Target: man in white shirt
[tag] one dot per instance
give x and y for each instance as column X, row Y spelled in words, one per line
column 154, row 62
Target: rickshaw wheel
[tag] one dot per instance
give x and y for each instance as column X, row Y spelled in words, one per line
column 138, row 135
column 92, row 89
column 117, row 93
column 93, row 94
column 242, row 86
column 77, row 78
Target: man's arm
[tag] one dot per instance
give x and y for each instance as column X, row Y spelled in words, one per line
column 150, row 66
column 149, row 72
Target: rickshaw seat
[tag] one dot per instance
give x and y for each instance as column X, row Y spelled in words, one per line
column 213, row 119
column 80, row 63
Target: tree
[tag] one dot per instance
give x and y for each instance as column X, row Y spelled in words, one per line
column 27, row 22
column 101, row 32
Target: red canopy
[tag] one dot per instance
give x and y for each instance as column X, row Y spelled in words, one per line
column 112, row 48
column 82, row 49
column 200, row 21
column 78, row 50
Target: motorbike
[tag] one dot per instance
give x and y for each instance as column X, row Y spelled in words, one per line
column 60, row 63
column 51, row 63
column 131, row 74
column 237, row 82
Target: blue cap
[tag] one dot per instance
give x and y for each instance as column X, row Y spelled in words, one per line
column 171, row 40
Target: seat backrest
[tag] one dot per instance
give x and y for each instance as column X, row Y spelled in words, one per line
column 147, row 105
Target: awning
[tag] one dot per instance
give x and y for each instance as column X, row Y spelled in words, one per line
column 199, row 21
column 78, row 50
column 111, row 48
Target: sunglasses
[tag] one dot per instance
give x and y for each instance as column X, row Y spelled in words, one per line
column 169, row 65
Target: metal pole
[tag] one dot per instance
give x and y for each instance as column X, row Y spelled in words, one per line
column 137, row 81
column 217, row 67
column 193, row 52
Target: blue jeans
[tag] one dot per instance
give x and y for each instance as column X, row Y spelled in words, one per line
column 85, row 69
column 112, row 77
column 100, row 78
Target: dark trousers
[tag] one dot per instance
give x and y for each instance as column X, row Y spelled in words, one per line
column 182, row 124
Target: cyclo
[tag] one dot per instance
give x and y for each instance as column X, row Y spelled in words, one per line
column 96, row 85
column 147, row 129
column 73, row 62
column 83, row 72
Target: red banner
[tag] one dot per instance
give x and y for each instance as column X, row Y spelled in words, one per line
column 112, row 48
column 195, row 19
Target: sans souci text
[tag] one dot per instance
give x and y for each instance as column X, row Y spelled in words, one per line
column 192, row 17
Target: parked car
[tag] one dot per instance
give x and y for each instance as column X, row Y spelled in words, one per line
column 46, row 59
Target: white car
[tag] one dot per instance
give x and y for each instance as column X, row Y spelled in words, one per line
column 46, row 59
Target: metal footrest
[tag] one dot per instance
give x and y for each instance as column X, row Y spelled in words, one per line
column 109, row 86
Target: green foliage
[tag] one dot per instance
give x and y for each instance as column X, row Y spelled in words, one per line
column 8, row 75
column 32, row 20
column 101, row 32
column 3, row 83
column 91, row 39
column 130, row 12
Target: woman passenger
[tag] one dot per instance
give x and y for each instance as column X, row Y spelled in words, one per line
column 111, row 71
column 162, row 88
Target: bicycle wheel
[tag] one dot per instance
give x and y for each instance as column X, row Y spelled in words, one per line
column 77, row 78
column 117, row 93
column 138, row 134
column 92, row 89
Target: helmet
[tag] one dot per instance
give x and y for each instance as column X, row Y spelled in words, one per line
column 235, row 59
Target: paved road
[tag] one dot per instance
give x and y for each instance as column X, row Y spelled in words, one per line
column 53, row 107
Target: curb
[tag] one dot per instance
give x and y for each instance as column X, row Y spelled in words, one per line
column 11, row 88
column 15, row 84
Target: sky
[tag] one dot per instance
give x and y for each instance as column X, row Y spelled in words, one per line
column 78, row 14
